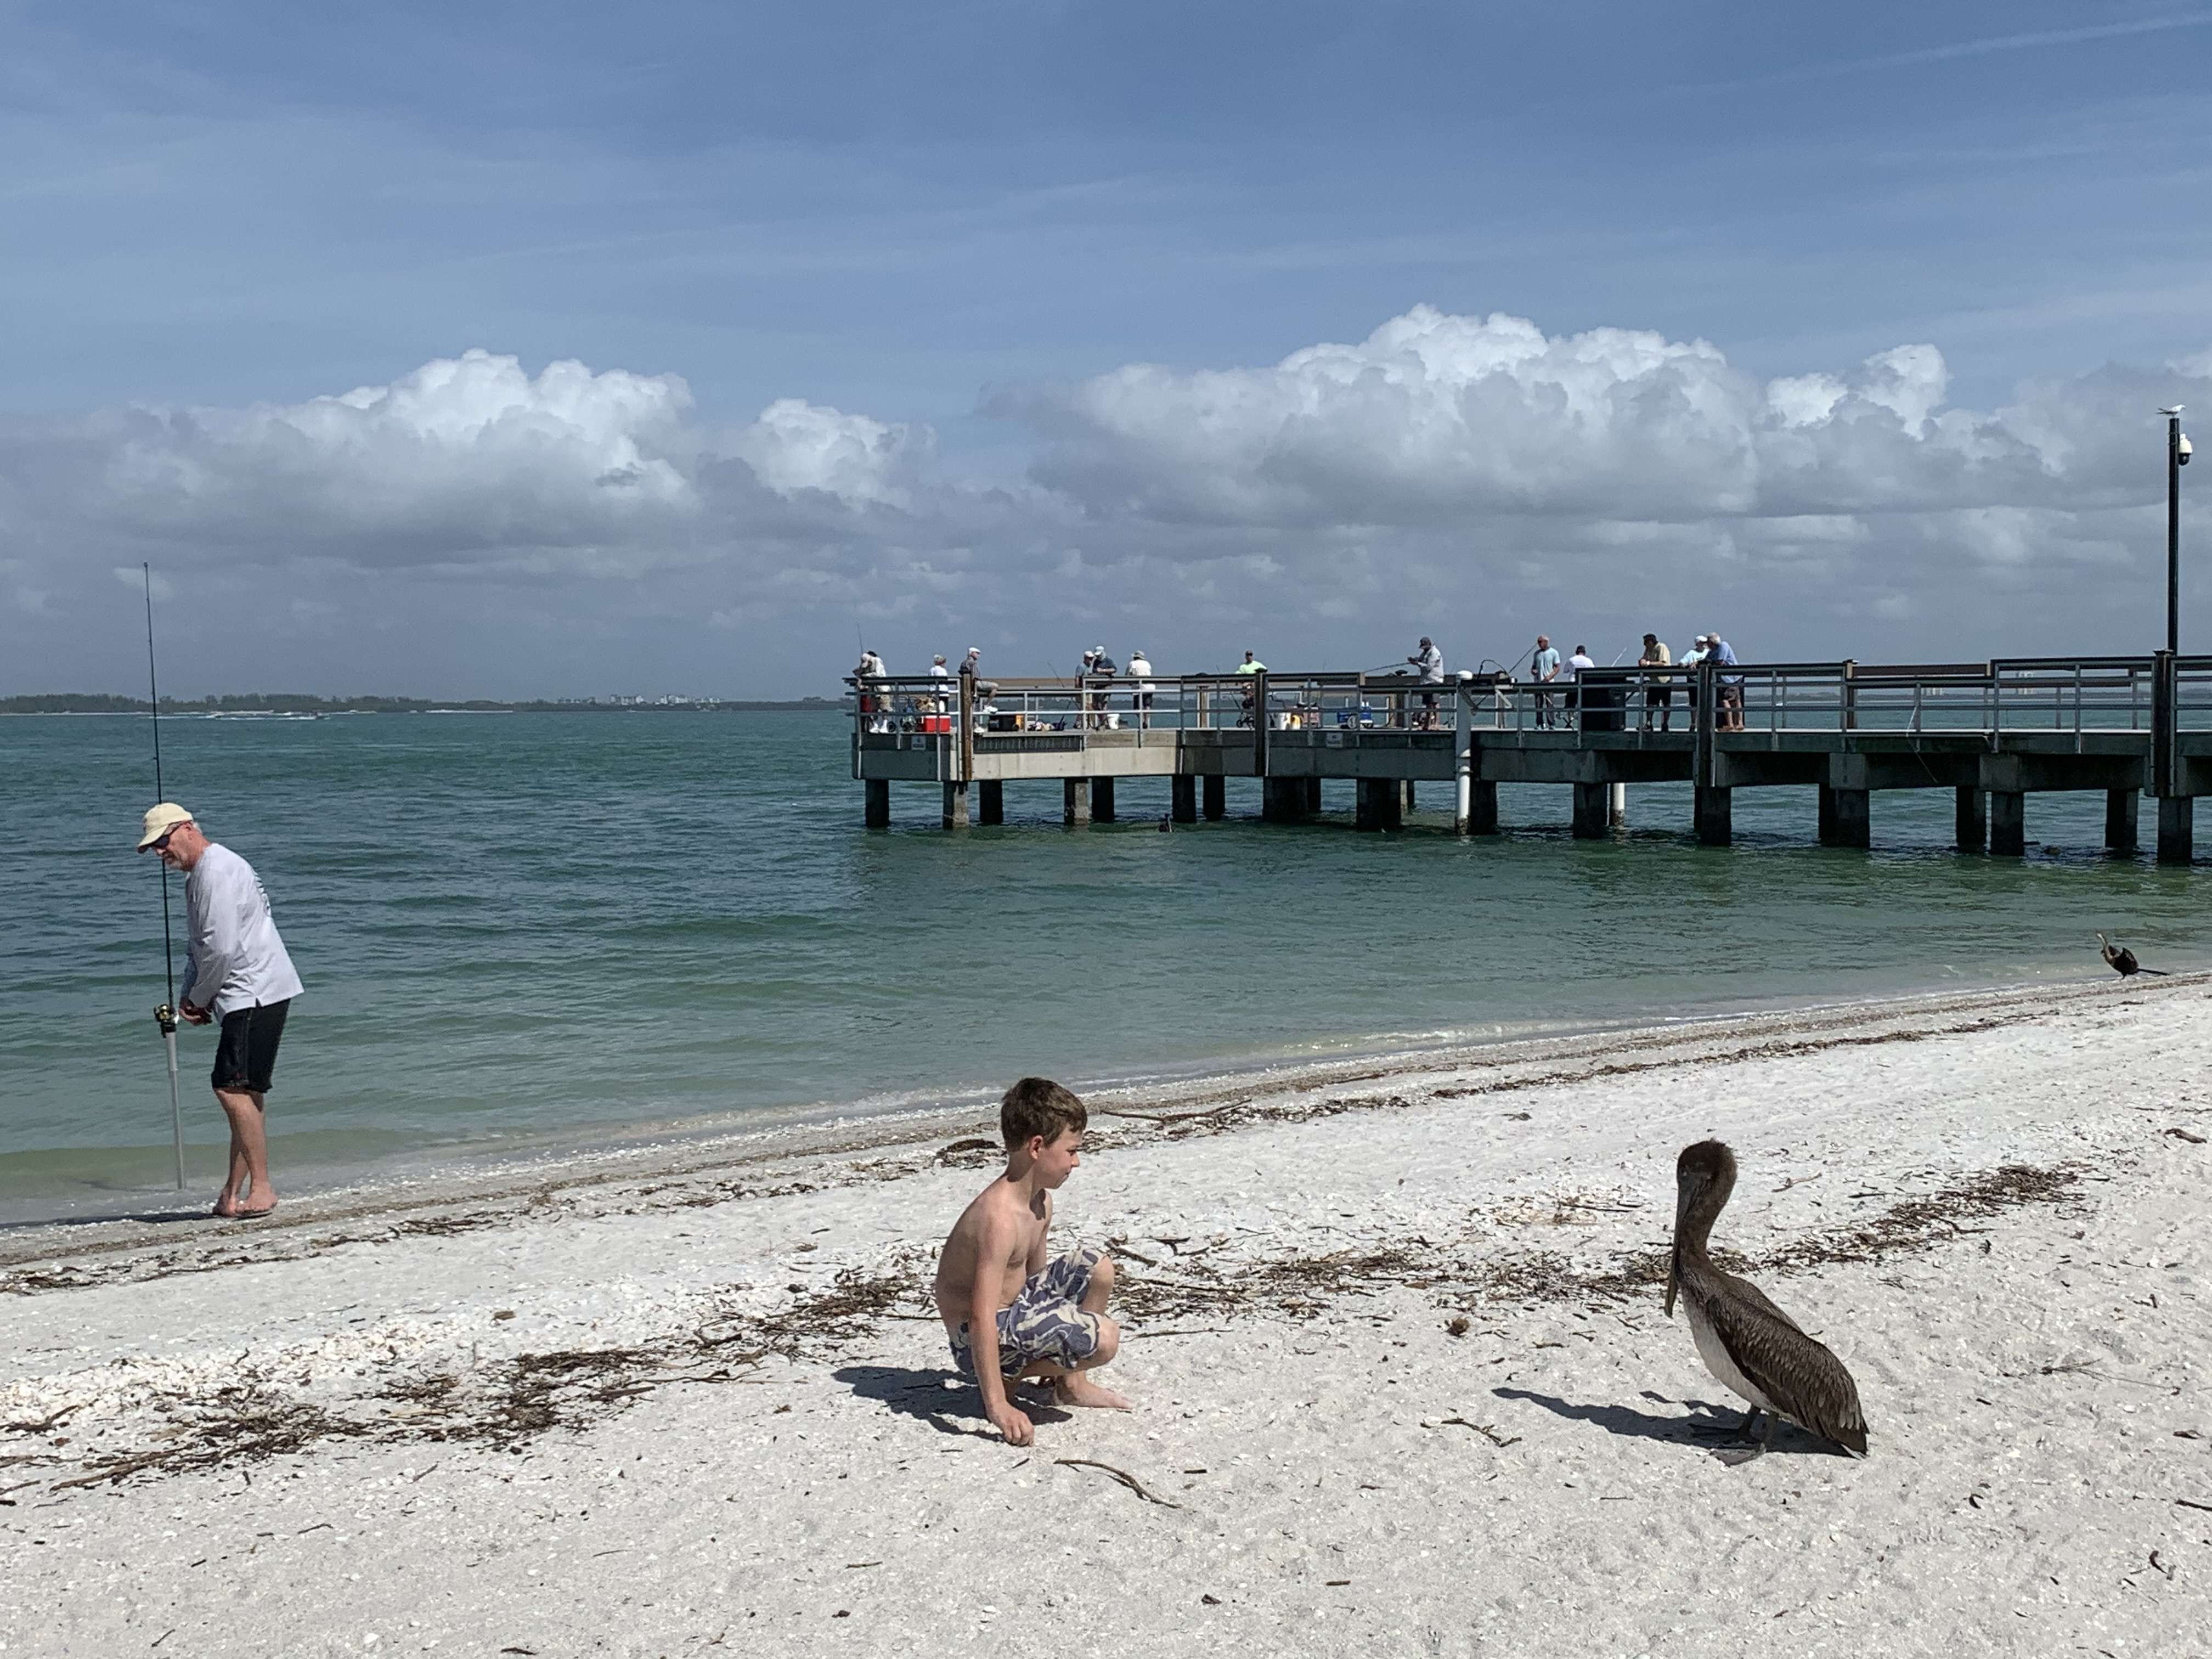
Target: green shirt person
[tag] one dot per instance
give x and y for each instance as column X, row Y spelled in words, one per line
column 1251, row 664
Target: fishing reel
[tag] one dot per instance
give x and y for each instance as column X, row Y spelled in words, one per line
column 166, row 1018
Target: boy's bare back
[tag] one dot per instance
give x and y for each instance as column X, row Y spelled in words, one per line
column 998, row 1220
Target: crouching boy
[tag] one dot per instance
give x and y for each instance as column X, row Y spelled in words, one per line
column 1010, row 1313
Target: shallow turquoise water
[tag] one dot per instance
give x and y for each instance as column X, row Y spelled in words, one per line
column 540, row 926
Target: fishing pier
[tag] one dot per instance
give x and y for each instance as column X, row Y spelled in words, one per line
column 1993, row 733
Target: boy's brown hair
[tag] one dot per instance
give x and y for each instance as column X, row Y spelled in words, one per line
column 1038, row 1106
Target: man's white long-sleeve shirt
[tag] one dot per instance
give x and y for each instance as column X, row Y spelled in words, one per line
column 236, row 960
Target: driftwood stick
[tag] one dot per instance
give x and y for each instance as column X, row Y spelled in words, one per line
column 1121, row 1475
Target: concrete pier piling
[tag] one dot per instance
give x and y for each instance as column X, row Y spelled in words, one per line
column 1102, row 800
column 879, row 805
column 1846, row 817
column 1713, row 815
column 956, row 806
column 991, row 802
column 1075, row 801
column 1213, row 791
column 1182, row 799
column 1616, row 807
column 1380, row 805
column 2007, row 823
column 1481, row 808
column 1590, row 805
column 1971, row 820
column 1283, row 801
column 2177, row 818
column 2121, row 839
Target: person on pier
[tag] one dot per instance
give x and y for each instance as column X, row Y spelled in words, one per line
column 1572, row 674
column 1140, row 670
column 1728, row 714
column 1658, row 688
column 1251, row 664
column 1012, row 1313
column 873, row 707
column 1543, row 669
column 1429, row 663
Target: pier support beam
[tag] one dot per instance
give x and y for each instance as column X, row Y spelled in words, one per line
column 991, row 802
column 2008, row 823
column 1283, row 801
column 2176, row 823
column 1482, row 817
column 1213, row 791
column 878, row 811
column 1381, row 801
column 1075, row 800
column 1102, row 800
column 1407, row 804
column 1313, row 794
column 1972, row 817
column 1616, row 807
column 956, row 806
column 1714, row 815
column 1846, row 817
column 1182, row 799
column 2120, row 837
column 1589, row 811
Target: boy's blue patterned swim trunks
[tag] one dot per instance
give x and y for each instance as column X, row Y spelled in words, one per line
column 1044, row 1325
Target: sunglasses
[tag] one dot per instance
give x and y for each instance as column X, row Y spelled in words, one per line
column 162, row 846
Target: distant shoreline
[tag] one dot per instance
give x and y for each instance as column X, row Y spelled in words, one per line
column 65, row 703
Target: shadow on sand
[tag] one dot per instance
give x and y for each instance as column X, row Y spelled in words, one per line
column 1716, row 1424
column 945, row 1399
column 196, row 1210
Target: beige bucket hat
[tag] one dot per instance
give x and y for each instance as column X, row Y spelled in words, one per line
column 160, row 820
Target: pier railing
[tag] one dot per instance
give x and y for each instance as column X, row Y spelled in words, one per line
column 1610, row 707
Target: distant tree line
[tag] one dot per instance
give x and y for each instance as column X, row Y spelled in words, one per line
column 295, row 702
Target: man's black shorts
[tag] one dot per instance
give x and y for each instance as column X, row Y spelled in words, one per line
column 245, row 1053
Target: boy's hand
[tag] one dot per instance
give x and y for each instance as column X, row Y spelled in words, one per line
column 1012, row 1421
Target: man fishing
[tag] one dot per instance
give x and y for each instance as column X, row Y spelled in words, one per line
column 237, row 971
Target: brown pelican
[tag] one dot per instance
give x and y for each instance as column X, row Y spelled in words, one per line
column 2123, row 961
column 1751, row 1346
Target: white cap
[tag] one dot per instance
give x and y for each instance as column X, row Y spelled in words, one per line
column 160, row 820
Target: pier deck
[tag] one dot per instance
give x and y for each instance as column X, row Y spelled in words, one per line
column 1992, row 733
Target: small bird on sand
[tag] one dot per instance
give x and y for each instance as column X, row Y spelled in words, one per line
column 1750, row 1346
column 2123, row 961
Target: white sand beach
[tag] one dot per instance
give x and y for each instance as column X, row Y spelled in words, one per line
column 1404, row 1381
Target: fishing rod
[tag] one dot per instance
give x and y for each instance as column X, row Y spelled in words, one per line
column 165, row 1015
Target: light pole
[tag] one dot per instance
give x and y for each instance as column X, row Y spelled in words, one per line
column 2176, row 457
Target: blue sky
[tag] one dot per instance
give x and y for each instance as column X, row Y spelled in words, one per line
column 926, row 218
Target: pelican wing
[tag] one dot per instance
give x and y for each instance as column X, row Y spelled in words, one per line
column 1749, row 1292
column 1799, row 1377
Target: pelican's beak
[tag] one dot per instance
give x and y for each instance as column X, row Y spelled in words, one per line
column 1675, row 1256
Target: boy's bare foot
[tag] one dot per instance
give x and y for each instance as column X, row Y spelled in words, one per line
column 1079, row 1390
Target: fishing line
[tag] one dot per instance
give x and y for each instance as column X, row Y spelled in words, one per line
column 165, row 1015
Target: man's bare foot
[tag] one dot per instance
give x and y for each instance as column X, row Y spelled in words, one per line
column 1079, row 1390
column 257, row 1202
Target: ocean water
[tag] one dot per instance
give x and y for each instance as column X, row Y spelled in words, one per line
column 527, row 931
